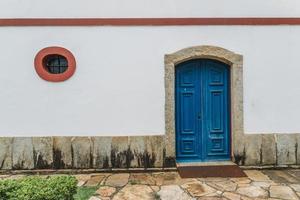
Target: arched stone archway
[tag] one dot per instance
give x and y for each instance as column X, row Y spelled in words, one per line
column 235, row 61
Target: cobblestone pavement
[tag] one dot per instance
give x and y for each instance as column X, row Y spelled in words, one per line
column 260, row 184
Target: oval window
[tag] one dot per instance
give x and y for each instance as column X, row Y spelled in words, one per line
column 55, row 64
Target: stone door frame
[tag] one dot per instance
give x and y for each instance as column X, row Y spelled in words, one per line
column 235, row 61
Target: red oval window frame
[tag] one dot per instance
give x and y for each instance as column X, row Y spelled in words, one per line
column 44, row 74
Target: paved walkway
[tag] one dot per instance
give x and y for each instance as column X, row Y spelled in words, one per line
column 264, row 184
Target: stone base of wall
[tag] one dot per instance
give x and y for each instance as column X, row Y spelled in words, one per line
column 143, row 152
column 277, row 150
column 83, row 153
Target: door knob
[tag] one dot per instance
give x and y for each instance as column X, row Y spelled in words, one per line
column 199, row 116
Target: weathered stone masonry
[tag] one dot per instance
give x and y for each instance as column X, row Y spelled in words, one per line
column 269, row 150
column 153, row 151
column 82, row 153
column 133, row 152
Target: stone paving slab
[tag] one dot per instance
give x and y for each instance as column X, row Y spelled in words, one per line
column 294, row 173
column 283, row 176
column 283, row 192
column 260, row 184
column 95, row 180
column 117, row 180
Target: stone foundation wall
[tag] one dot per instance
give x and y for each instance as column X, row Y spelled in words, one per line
column 83, row 153
column 278, row 150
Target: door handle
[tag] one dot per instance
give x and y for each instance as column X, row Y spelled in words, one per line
column 199, row 116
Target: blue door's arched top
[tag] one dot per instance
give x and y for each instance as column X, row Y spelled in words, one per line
column 202, row 110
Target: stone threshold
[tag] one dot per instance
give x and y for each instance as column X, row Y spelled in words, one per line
column 209, row 169
column 215, row 163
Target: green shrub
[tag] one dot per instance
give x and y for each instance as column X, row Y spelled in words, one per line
column 37, row 188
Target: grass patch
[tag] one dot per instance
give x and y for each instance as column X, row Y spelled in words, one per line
column 84, row 193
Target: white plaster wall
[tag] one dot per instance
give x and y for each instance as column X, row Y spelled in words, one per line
column 149, row 8
column 118, row 88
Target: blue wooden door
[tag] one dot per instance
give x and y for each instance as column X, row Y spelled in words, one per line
column 202, row 111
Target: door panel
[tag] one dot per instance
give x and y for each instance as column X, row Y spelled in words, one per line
column 217, row 112
column 186, row 96
column 202, row 111
column 188, row 105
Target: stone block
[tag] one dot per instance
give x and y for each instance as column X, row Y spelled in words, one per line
column 121, row 156
column 102, row 152
column 286, row 149
column 22, row 153
column 298, row 149
column 253, row 145
column 137, row 146
column 155, row 149
column 6, row 153
column 82, row 152
column 238, row 147
column 62, row 152
column 268, row 149
column 42, row 152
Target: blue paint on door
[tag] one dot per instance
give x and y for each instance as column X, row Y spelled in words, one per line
column 202, row 111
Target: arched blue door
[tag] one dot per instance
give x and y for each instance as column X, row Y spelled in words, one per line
column 202, row 111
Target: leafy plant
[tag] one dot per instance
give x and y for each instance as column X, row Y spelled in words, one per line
column 37, row 188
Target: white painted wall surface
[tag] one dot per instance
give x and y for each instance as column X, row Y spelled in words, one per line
column 118, row 88
column 149, row 8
